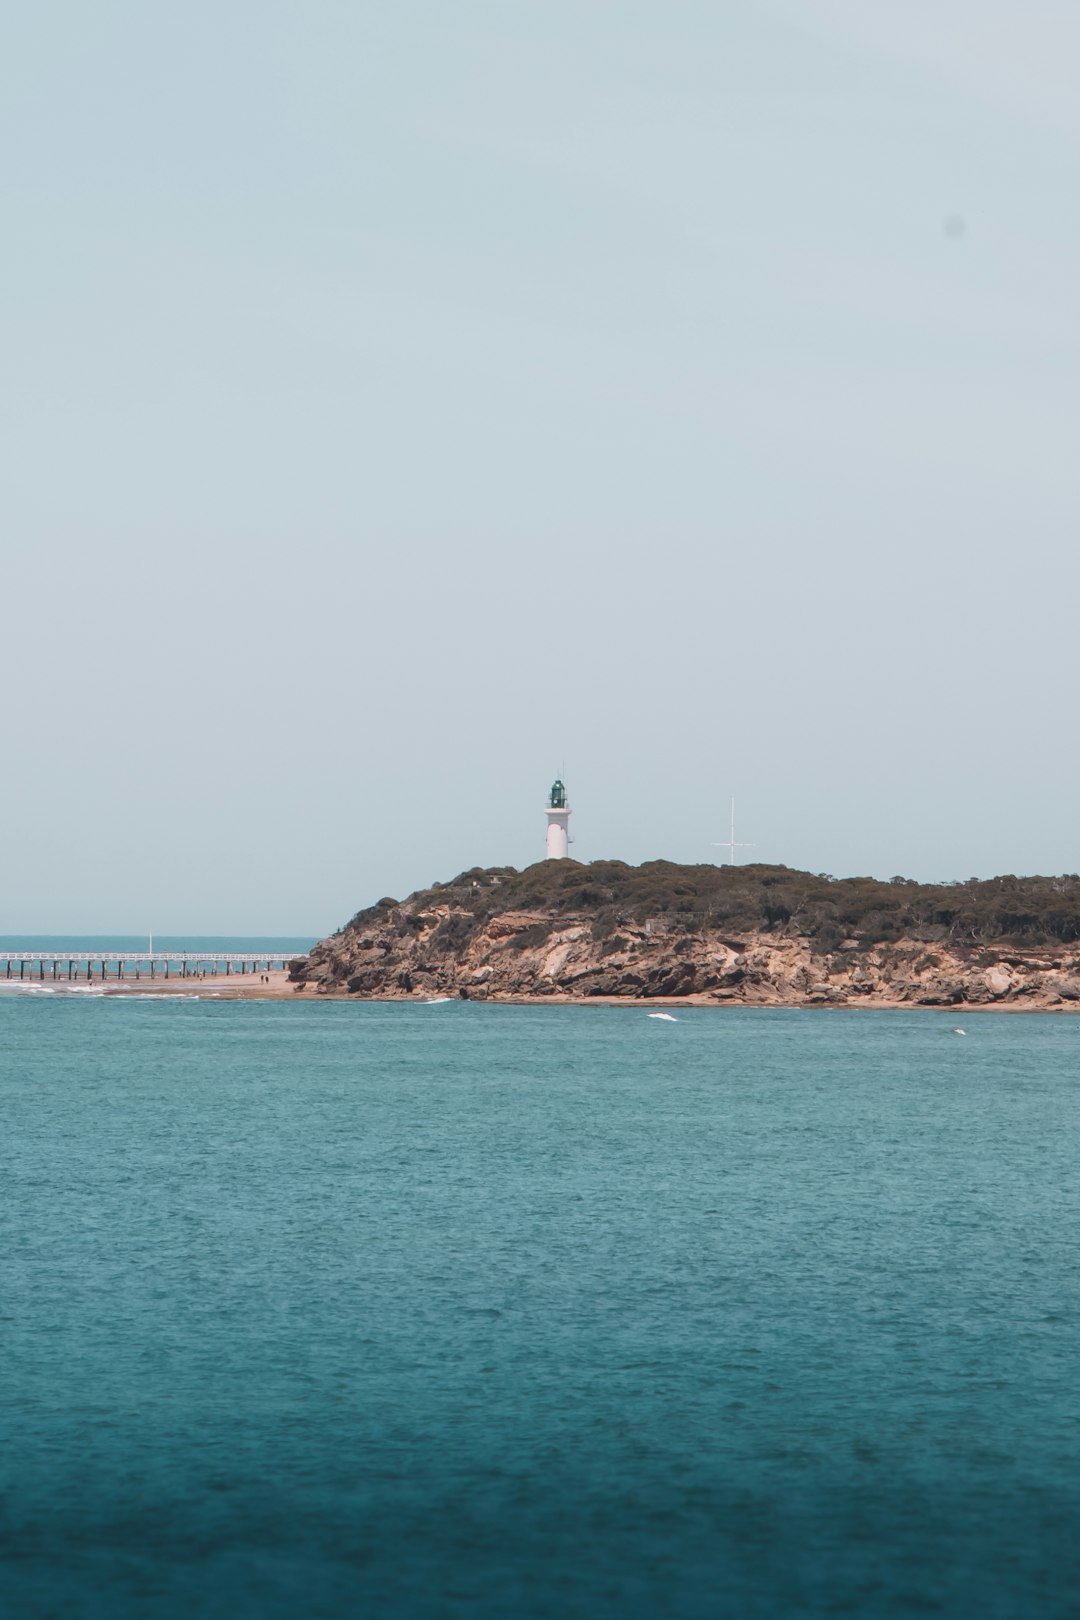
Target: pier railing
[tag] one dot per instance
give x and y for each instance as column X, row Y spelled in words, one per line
column 41, row 964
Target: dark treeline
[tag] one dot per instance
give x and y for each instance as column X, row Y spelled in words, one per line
column 757, row 899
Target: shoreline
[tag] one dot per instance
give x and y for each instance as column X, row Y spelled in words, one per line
column 281, row 988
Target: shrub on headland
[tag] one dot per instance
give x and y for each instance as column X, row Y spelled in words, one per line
column 761, row 899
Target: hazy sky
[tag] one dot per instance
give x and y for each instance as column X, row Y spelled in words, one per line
column 405, row 400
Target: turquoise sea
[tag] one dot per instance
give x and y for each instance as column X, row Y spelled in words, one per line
column 463, row 1310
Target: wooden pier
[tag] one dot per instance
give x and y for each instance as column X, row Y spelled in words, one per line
column 72, row 965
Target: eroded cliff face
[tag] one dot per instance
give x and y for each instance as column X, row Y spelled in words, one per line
column 418, row 949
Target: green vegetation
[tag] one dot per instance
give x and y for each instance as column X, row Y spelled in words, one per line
column 754, row 899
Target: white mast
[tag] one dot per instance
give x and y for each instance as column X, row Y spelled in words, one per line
column 731, row 844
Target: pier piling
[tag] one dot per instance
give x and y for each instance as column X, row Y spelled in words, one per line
column 193, row 964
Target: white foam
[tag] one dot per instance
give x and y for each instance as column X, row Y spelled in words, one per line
column 154, row 995
column 24, row 988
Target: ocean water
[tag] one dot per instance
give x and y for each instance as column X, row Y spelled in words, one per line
column 463, row 1310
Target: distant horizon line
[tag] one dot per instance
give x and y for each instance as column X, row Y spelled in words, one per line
column 122, row 933
column 38, row 935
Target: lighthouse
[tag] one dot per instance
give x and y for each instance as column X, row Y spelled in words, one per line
column 558, row 818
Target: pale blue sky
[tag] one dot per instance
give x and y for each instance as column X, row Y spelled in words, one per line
column 403, row 400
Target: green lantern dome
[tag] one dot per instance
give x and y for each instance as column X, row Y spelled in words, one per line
column 557, row 800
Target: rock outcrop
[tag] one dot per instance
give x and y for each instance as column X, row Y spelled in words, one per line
column 461, row 941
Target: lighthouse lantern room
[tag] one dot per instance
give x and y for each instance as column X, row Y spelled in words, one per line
column 558, row 818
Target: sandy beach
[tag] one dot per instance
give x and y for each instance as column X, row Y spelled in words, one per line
column 271, row 986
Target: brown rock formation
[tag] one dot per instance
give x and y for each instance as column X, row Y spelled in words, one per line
column 471, row 939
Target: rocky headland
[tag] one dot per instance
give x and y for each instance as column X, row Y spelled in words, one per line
column 753, row 935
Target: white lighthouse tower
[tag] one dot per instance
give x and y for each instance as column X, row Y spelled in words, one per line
column 558, row 818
